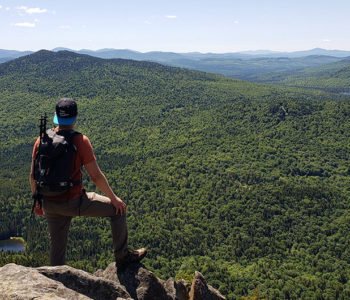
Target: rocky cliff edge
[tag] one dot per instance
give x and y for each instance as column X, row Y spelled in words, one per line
column 64, row 282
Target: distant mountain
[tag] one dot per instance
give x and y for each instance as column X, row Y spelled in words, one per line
column 261, row 52
column 198, row 55
column 113, row 53
column 4, row 59
column 6, row 55
column 245, row 68
column 159, row 55
column 61, row 49
column 319, row 51
column 243, row 65
column 13, row 53
column 315, row 51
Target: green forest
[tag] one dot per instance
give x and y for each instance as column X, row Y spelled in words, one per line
column 332, row 77
column 247, row 183
column 253, row 68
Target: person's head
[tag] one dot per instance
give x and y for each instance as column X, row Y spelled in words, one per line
column 66, row 113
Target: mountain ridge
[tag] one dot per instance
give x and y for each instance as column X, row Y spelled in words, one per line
column 114, row 53
column 244, row 66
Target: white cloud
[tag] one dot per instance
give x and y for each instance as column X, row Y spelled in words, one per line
column 147, row 22
column 236, row 22
column 0, row 7
column 64, row 27
column 326, row 40
column 171, row 17
column 34, row 10
column 25, row 24
column 7, row 8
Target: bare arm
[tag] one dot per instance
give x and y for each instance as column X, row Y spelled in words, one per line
column 101, row 182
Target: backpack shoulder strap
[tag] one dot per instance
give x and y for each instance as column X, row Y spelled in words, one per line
column 66, row 134
column 70, row 137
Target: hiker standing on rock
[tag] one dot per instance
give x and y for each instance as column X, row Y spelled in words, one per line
column 64, row 198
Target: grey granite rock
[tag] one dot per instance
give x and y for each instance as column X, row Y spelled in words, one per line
column 200, row 290
column 64, row 282
column 21, row 283
column 84, row 283
column 140, row 283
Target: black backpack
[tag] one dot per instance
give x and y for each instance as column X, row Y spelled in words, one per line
column 53, row 163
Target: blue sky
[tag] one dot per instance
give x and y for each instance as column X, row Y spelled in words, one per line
column 177, row 25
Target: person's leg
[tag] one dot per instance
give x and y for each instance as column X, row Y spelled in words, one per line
column 59, row 216
column 95, row 205
column 58, row 227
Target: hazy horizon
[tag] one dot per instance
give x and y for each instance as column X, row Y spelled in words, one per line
column 126, row 49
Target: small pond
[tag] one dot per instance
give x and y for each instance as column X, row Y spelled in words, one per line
column 16, row 245
column 346, row 93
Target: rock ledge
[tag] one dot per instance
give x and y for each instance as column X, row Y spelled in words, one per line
column 64, row 282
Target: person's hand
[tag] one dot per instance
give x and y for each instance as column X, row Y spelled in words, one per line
column 38, row 211
column 119, row 204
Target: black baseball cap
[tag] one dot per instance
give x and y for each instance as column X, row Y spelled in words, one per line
column 66, row 111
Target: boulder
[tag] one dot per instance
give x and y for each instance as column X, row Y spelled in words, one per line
column 200, row 290
column 85, row 283
column 140, row 283
column 18, row 282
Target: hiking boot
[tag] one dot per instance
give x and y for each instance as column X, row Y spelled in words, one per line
column 131, row 257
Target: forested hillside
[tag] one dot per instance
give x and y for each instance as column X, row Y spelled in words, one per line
column 249, row 67
column 333, row 77
column 247, row 183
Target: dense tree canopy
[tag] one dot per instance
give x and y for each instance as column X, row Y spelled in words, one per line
column 247, row 183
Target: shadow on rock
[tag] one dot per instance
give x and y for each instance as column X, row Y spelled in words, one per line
column 85, row 283
column 142, row 284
